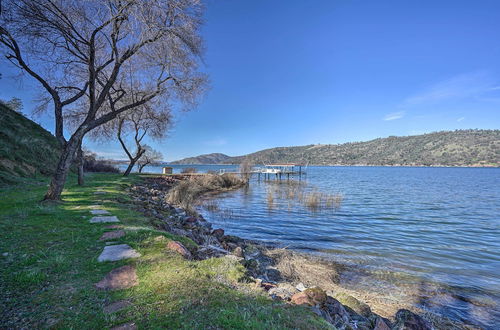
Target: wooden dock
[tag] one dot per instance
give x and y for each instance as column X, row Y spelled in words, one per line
column 277, row 171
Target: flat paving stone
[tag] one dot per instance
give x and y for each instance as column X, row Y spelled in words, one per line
column 112, row 235
column 118, row 279
column 116, row 306
column 100, row 192
column 126, row 326
column 104, row 219
column 99, row 212
column 117, row 252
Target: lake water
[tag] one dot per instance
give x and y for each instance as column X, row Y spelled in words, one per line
column 438, row 228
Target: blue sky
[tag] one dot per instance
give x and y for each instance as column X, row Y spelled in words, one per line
column 304, row 72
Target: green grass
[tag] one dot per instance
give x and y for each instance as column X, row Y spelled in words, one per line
column 48, row 273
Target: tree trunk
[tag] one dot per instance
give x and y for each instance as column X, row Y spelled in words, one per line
column 130, row 166
column 81, row 179
column 141, row 167
column 65, row 160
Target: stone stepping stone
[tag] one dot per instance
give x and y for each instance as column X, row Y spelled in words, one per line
column 125, row 326
column 117, row 252
column 100, row 192
column 99, row 212
column 104, row 219
column 114, row 227
column 120, row 278
column 116, row 306
column 112, row 235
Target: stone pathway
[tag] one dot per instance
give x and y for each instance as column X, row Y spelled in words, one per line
column 122, row 277
column 104, row 219
column 117, row 252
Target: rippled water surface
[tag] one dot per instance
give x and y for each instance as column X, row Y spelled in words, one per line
column 429, row 225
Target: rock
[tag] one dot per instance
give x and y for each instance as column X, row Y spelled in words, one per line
column 406, row 320
column 337, row 311
column 114, row 227
column 301, row 287
column 357, row 306
column 219, row 233
column 284, row 290
column 160, row 238
column 311, row 297
column 120, row 278
column 5, row 254
column 272, row 274
column 117, row 252
column 268, row 286
column 112, row 235
column 179, row 248
column 381, row 325
column 99, row 212
column 238, row 251
column 190, row 220
column 125, row 326
column 116, row 306
column 251, row 252
column 104, row 219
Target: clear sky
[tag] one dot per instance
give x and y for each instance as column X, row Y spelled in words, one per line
column 304, row 72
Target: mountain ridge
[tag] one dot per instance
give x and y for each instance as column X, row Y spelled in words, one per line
column 471, row 147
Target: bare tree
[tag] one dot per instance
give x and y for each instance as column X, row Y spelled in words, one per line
column 141, row 123
column 150, row 156
column 82, row 52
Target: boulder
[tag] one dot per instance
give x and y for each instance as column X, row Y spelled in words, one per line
column 219, row 233
column 406, row 320
column 120, row 278
column 311, row 297
column 336, row 311
column 381, row 325
column 179, row 248
column 357, row 306
column 238, row 251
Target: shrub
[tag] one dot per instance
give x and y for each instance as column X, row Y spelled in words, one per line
column 188, row 170
column 92, row 164
column 187, row 192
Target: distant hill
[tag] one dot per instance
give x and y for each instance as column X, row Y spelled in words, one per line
column 26, row 148
column 448, row 148
column 215, row 158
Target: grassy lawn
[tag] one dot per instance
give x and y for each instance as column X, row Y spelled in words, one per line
column 48, row 266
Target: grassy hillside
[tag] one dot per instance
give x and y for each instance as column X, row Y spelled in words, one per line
column 451, row 148
column 214, row 158
column 26, row 148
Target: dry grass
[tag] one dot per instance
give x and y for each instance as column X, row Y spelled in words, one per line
column 296, row 192
column 187, row 193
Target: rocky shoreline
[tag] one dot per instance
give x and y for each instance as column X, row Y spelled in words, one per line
column 286, row 276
